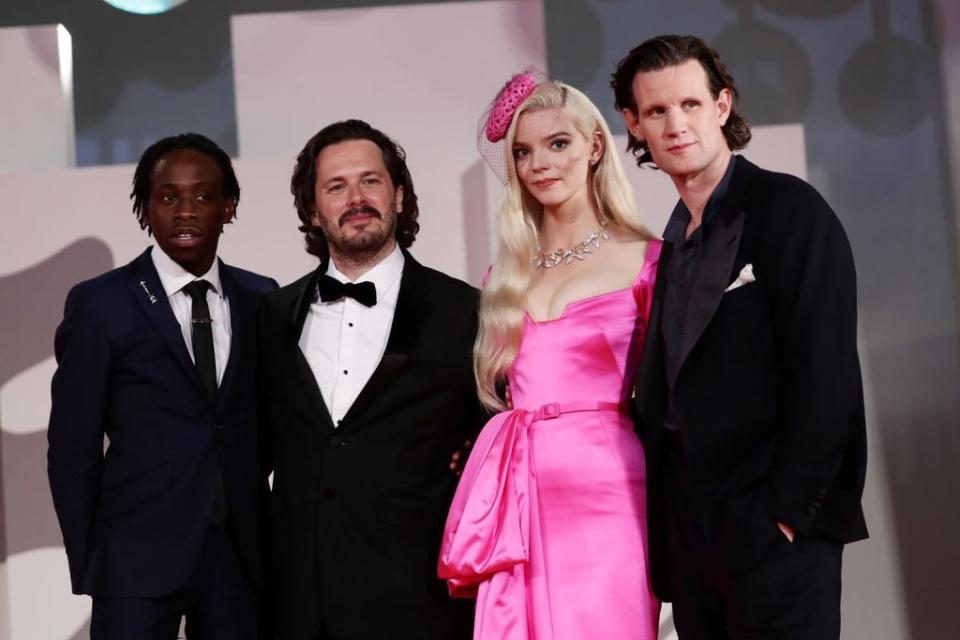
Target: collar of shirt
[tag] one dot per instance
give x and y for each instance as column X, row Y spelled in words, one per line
column 384, row 275
column 676, row 230
column 173, row 277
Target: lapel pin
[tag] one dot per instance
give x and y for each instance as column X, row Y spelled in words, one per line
column 153, row 298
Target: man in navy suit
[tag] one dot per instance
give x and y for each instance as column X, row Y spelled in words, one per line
column 159, row 356
column 749, row 395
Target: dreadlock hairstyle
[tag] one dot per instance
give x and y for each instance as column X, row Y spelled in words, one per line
column 670, row 51
column 304, row 181
column 193, row 141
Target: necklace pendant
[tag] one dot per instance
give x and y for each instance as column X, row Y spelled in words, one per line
column 550, row 259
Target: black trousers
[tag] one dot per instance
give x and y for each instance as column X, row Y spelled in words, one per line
column 218, row 600
column 792, row 593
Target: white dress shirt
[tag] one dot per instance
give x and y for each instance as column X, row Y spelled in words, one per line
column 344, row 341
column 174, row 278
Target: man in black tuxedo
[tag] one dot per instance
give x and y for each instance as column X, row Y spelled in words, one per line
column 159, row 356
column 368, row 388
column 749, row 393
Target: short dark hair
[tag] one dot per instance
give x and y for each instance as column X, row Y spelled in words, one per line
column 160, row 148
column 304, row 180
column 670, row 51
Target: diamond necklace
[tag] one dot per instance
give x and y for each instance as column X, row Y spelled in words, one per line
column 546, row 259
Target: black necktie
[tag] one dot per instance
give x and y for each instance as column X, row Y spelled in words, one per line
column 332, row 289
column 201, row 336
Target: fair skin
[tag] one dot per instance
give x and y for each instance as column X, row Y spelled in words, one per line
column 553, row 163
column 681, row 122
column 356, row 205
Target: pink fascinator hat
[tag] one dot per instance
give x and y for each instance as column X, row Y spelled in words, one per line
column 493, row 124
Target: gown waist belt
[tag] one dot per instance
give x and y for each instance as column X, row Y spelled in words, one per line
column 556, row 409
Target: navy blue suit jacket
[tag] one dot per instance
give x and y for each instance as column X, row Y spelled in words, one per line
column 134, row 517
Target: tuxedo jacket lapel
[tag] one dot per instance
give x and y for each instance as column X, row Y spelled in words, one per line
column 302, row 371
column 711, row 281
column 722, row 244
column 412, row 306
column 146, row 289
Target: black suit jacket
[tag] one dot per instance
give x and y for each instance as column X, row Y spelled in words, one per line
column 357, row 511
column 134, row 518
column 768, row 392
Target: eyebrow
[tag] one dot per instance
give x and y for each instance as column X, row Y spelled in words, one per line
column 547, row 137
column 660, row 103
column 365, row 174
column 199, row 183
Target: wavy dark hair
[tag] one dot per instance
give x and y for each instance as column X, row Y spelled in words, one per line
column 304, row 181
column 160, row 148
column 670, row 51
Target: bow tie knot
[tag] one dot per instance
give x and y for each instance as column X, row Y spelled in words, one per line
column 331, row 289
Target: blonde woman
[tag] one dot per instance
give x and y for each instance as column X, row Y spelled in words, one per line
column 548, row 526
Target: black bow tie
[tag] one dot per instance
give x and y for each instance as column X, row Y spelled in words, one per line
column 331, row 289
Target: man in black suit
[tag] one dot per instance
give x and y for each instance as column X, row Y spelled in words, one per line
column 159, row 357
column 368, row 384
column 749, row 392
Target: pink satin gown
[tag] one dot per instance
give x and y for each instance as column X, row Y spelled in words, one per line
column 548, row 525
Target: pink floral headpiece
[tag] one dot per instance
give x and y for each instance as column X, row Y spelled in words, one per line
column 505, row 104
column 495, row 121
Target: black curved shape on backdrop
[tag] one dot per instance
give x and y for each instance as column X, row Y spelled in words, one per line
column 772, row 70
column 883, row 87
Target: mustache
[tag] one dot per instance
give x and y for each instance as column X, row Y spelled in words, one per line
column 364, row 209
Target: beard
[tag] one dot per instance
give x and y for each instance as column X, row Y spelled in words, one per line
column 367, row 241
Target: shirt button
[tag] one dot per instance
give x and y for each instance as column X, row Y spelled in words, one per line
column 345, row 372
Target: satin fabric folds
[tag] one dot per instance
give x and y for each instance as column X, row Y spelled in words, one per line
column 548, row 525
column 483, row 552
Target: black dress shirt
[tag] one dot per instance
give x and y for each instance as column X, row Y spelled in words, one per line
column 681, row 274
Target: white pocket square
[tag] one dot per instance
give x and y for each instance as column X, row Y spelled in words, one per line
column 745, row 277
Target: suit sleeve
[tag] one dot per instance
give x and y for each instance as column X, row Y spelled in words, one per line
column 809, row 273
column 77, row 424
column 264, row 427
column 477, row 414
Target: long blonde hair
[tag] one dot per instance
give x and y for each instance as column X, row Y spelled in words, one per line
column 503, row 301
